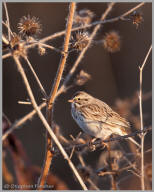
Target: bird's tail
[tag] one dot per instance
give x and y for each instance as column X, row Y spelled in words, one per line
column 133, row 141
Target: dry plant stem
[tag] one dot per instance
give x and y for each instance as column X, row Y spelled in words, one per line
column 81, row 159
column 48, row 154
column 24, row 102
column 50, row 47
column 98, row 143
column 64, row 56
column 141, row 120
column 7, row 55
column 38, row 43
column 53, row 93
column 8, row 22
column 45, row 123
column 7, row 27
column 92, row 184
column 4, row 39
column 36, row 77
column 133, row 9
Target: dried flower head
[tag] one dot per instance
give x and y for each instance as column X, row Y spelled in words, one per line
column 15, row 39
column 17, row 45
column 41, row 50
column 29, row 26
column 82, row 78
column 111, row 42
column 85, row 172
column 80, row 40
column 83, row 17
column 137, row 18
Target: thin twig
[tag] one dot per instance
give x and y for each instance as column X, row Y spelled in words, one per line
column 141, row 119
column 24, row 102
column 36, row 77
column 8, row 21
column 92, row 184
column 45, row 123
column 113, row 176
column 7, row 55
column 6, row 25
column 4, row 39
column 132, row 10
column 135, row 171
column 73, row 149
column 99, row 143
column 50, row 47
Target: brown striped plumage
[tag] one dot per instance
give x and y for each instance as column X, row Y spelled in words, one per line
column 96, row 118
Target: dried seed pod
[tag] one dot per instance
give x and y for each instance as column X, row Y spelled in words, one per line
column 17, row 45
column 80, row 40
column 83, row 17
column 137, row 18
column 82, row 78
column 29, row 26
column 15, row 39
column 41, row 50
column 111, row 41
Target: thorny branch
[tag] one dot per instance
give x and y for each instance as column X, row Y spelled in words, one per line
column 100, row 143
column 7, row 21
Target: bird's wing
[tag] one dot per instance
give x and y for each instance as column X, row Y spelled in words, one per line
column 103, row 113
column 93, row 112
column 115, row 118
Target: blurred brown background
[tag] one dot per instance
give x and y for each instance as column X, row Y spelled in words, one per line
column 113, row 75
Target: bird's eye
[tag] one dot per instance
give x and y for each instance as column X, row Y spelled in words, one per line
column 78, row 99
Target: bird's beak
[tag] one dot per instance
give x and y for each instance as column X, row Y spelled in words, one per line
column 70, row 101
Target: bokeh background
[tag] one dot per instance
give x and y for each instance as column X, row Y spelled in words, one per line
column 113, row 75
